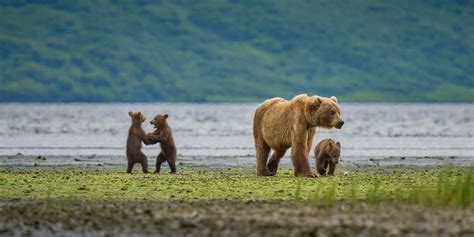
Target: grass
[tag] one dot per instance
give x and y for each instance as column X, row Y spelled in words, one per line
column 440, row 187
column 449, row 192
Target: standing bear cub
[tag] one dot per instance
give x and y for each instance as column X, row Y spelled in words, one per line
column 164, row 136
column 136, row 135
column 327, row 154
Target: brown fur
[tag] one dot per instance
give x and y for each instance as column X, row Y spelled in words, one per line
column 164, row 136
column 280, row 124
column 327, row 154
column 136, row 135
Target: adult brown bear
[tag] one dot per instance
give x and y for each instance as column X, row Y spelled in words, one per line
column 279, row 124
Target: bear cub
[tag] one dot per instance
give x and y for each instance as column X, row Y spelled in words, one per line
column 136, row 135
column 327, row 154
column 164, row 136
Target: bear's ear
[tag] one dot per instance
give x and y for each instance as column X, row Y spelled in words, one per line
column 333, row 98
column 166, row 116
column 130, row 113
column 318, row 100
column 338, row 144
column 314, row 103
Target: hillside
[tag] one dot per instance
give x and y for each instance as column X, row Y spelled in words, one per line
column 236, row 50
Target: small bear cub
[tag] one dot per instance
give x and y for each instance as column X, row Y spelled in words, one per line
column 164, row 136
column 136, row 135
column 327, row 154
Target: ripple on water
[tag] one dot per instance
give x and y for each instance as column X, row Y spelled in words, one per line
column 221, row 134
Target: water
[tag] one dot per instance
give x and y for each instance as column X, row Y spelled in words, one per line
column 220, row 135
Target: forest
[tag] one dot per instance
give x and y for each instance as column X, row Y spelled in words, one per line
column 236, row 50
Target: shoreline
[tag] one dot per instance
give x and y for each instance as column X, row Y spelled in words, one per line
column 248, row 161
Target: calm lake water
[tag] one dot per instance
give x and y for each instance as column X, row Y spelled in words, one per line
column 220, row 135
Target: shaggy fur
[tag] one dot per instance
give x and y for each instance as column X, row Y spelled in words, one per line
column 280, row 124
column 327, row 154
column 164, row 136
column 136, row 135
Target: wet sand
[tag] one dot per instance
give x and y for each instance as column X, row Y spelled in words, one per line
column 95, row 161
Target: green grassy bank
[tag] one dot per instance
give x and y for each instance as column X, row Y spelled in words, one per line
column 430, row 187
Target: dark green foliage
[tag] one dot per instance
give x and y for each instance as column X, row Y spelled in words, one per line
column 236, row 50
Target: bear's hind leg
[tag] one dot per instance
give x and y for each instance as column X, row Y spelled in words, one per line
column 159, row 160
column 299, row 157
column 262, row 157
column 172, row 165
column 144, row 162
column 130, row 166
column 274, row 160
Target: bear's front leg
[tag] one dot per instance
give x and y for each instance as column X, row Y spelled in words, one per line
column 311, row 133
column 151, row 138
column 332, row 168
column 321, row 166
column 148, row 139
column 299, row 156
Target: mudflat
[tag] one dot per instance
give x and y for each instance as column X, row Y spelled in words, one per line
column 235, row 202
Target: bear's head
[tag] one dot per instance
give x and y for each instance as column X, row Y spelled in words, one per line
column 323, row 112
column 333, row 150
column 159, row 120
column 137, row 117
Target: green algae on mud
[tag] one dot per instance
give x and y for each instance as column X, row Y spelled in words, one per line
column 355, row 184
column 235, row 202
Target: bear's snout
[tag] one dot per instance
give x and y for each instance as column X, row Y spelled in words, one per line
column 339, row 124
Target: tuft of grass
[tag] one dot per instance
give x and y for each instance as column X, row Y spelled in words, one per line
column 446, row 191
column 329, row 196
column 298, row 192
column 445, row 186
column 314, row 197
column 373, row 196
column 466, row 194
column 455, row 192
